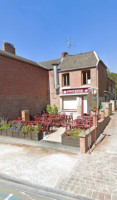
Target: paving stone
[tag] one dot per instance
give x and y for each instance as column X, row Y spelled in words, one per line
column 107, row 197
column 95, row 195
column 89, row 193
column 114, row 197
column 77, row 190
column 101, row 196
column 95, row 175
column 83, row 191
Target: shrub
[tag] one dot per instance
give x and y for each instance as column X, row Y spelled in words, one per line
column 73, row 132
column 27, row 129
column 5, row 125
column 51, row 109
column 31, row 128
column 54, row 110
column 16, row 126
column 36, row 128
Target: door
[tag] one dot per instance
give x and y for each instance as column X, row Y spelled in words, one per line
column 84, row 105
column 70, row 103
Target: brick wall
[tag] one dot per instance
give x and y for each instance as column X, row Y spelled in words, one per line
column 75, row 80
column 22, row 86
column 84, row 139
column 103, row 79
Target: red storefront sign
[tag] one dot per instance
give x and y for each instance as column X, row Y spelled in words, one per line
column 75, row 91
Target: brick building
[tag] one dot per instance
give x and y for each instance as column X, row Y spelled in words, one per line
column 23, row 84
column 65, row 82
column 71, row 77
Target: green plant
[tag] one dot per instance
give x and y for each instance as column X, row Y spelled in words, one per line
column 74, row 132
column 54, row 110
column 36, row 128
column 48, row 109
column 27, row 129
column 5, row 125
column 19, row 126
column 51, row 109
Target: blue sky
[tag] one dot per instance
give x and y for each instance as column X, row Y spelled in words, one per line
column 39, row 28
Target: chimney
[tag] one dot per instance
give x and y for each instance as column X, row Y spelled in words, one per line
column 8, row 47
column 63, row 54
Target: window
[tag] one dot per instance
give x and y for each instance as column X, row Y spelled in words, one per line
column 65, row 79
column 86, row 77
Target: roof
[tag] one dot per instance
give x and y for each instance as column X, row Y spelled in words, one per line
column 10, row 55
column 73, row 62
column 49, row 63
column 79, row 61
column 111, row 80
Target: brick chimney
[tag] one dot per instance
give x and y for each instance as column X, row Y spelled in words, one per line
column 63, row 54
column 8, row 47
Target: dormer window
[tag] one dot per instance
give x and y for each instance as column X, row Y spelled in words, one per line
column 65, row 79
column 86, row 77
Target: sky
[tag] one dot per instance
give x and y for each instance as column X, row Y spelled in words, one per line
column 39, row 29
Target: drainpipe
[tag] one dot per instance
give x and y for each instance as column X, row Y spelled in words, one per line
column 55, row 76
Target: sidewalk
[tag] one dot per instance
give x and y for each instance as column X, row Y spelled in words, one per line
column 93, row 176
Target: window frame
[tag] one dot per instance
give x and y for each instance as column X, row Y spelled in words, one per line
column 86, row 71
column 66, row 75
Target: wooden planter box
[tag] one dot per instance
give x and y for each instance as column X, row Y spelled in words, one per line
column 4, row 132
column 37, row 136
column 21, row 135
column 15, row 133
column 9, row 132
column 71, row 141
column 18, row 134
column 28, row 136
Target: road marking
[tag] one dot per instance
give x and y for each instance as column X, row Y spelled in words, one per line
column 8, row 197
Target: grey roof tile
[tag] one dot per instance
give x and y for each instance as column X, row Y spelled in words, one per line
column 78, row 61
column 49, row 63
column 72, row 62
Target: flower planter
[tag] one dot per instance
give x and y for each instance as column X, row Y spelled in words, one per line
column 0, row 132
column 37, row 136
column 9, row 132
column 15, row 133
column 4, row 132
column 21, row 135
column 28, row 136
column 18, row 134
column 71, row 141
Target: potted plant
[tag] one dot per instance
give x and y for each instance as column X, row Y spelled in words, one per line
column 37, row 133
column 31, row 132
column 5, row 128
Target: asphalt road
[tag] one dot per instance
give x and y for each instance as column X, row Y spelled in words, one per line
column 10, row 191
column 16, row 191
column 7, row 193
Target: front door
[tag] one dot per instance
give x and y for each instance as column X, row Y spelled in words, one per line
column 84, row 105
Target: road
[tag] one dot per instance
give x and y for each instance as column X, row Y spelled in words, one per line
column 9, row 191
column 15, row 191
